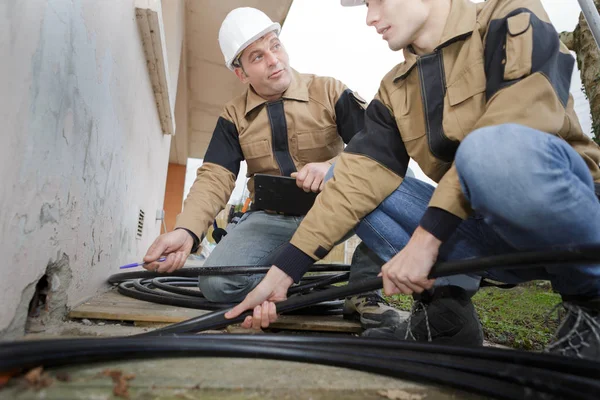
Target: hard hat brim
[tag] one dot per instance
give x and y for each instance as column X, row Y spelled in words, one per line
column 273, row 27
column 352, row 3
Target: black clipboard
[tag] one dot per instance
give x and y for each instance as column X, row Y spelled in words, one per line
column 281, row 194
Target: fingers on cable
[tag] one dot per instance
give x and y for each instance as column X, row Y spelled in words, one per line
column 257, row 317
column 247, row 322
column 389, row 287
column 265, row 315
column 272, row 312
column 240, row 308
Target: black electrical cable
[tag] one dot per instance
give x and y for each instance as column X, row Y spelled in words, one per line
column 146, row 286
column 312, row 284
column 553, row 255
column 481, row 370
column 217, row 320
column 228, row 270
column 544, row 379
column 175, row 284
column 175, row 291
column 569, row 254
column 580, row 367
column 559, row 386
column 127, row 288
column 530, row 259
column 505, row 374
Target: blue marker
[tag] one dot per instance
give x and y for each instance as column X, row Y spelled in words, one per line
column 140, row 264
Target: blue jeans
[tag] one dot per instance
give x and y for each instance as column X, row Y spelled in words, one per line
column 529, row 190
column 255, row 241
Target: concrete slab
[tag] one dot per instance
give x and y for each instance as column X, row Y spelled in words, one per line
column 212, row 378
column 215, row 378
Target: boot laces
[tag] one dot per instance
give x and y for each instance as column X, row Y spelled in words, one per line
column 574, row 340
column 417, row 305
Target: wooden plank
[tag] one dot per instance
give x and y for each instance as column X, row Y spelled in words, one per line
column 307, row 323
column 149, row 18
column 114, row 306
column 329, row 323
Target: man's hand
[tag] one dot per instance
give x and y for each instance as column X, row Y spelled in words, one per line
column 407, row 272
column 176, row 245
column 271, row 289
column 310, row 177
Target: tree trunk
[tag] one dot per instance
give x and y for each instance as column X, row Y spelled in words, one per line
column 582, row 43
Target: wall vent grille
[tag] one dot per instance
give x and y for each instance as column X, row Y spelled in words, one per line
column 140, row 225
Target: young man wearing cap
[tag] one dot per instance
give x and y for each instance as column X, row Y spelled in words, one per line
column 286, row 123
column 482, row 103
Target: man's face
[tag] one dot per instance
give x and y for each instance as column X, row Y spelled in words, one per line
column 398, row 21
column 265, row 66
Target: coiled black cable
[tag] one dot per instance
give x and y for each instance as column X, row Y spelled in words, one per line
column 212, row 271
column 177, row 290
column 567, row 254
column 507, row 374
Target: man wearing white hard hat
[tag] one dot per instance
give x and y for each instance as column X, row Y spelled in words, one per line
column 481, row 102
column 288, row 124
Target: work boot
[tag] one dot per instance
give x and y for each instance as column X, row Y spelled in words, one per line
column 372, row 311
column 446, row 317
column 578, row 335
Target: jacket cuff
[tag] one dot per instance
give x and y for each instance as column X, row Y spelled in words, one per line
column 293, row 261
column 440, row 223
column 196, row 239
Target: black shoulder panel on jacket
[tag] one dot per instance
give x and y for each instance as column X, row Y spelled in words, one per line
column 546, row 56
column 224, row 148
column 349, row 115
column 380, row 140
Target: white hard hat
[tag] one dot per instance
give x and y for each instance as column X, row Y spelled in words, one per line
column 350, row 3
column 240, row 28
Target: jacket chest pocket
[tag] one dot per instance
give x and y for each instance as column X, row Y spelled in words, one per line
column 258, row 155
column 413, row 136
column 318, row 145
column 465, row 102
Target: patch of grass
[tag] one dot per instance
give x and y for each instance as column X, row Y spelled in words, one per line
column 521, row 318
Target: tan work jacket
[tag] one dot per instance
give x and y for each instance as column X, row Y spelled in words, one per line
column 310, row 123
column 497, row 62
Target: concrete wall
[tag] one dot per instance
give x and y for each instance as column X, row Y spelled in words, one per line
column 82, row 150
column 173, row 13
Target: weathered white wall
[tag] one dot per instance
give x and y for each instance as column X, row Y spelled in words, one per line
column 82, row 149
column 173, row 14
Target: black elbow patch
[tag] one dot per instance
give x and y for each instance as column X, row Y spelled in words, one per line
column 224, row 148
column 381, row 140
column 321, row 252
column 546, row 57
column 349, row 115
